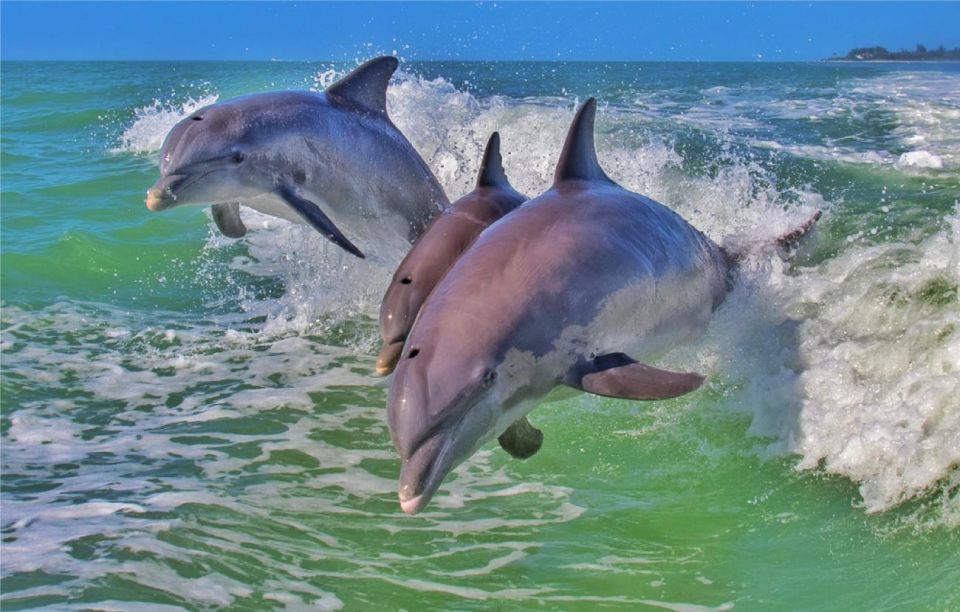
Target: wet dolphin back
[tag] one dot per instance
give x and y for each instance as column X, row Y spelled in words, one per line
column 561, row 260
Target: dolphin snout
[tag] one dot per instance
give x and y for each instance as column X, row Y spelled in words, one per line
column 162, row 196
column 419, row 475
column 388, row 357
column 155, row 200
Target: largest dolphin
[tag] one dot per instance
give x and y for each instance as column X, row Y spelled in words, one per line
column 579, row 287
column 333, row 160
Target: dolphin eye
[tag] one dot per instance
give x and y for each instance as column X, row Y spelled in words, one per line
column 238, row 157
column 413, row 353
column 406, row 281
column 197, row 118
column 489, row 377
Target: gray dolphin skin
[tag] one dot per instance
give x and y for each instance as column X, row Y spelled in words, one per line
column 448, row 236
column 332, row 160
column 577, row 287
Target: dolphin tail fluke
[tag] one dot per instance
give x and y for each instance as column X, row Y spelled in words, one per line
column 227, row 218
column 491, row 169
column 522, row 440
column 616, row 375
column 312, row 214
column 366, row 86
column 578, row 160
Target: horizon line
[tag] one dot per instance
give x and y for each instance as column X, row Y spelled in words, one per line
column 832, row 60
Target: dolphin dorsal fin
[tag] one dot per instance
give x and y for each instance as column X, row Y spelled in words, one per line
column 578, row 160
column 366, row 86
column 491, row 168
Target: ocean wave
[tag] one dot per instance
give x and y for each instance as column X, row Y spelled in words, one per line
column 834, row 153
column 927, row 108
column 190, row 429
column 920, row 159
column 923, row 131
column 852, row 364
column 880, row 378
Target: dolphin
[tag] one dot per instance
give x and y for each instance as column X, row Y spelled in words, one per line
column 581, row 286
column 447, row 237
column 332, row 160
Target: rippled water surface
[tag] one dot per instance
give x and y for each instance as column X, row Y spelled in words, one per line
column 191, row 421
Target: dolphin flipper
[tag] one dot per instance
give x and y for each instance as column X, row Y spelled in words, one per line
column 616, row 375
column 227, row 218
column 312, row 214
column 522, row 440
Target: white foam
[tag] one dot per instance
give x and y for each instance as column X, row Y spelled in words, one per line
column 920, row 159
column 927, row 108
column 836, row 153
column 854, row 364
column 881, row 382
column 79, row 511
column 152, row 122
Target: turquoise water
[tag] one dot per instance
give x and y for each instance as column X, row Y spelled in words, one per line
column 191, row 421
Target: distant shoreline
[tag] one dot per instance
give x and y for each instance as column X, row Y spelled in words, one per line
column 931, row 60
column 881, row 54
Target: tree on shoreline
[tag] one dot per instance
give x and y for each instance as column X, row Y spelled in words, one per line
column 919, row 53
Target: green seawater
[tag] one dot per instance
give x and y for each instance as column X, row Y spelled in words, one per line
column 193, row 422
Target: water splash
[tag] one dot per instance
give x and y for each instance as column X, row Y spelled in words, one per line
column 152, row 122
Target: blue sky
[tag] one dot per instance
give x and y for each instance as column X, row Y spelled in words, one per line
column 468, row 30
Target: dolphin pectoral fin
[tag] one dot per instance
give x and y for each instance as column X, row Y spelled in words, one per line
column 522, row 440
column 312, row 214
column 616, row 375
column 227, row 218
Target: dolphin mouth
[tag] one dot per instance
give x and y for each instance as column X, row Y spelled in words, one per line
column 414, row 504
column 163, row 193
column 389, row 356
column 422, row 473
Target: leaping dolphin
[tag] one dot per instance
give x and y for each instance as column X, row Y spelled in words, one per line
column 579, row 287
column 445, row 240
column 332, row 160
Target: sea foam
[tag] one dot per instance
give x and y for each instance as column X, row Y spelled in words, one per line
column 152, row 122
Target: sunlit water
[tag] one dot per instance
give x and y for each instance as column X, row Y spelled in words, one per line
column 191, row 421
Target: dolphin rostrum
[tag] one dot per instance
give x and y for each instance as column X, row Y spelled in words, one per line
column 579, row 287
column 331, row 160
column 438, row 248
